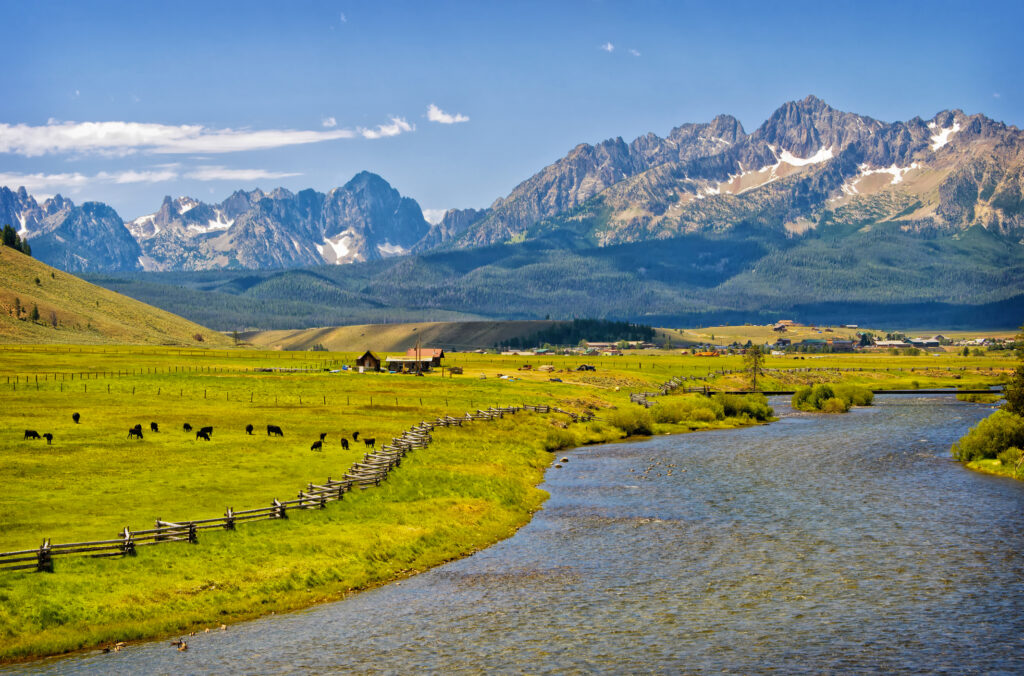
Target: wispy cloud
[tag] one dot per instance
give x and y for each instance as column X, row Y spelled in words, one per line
column 608, row 47
column 344, row 19
column 434, row 215
column 329, row 122
column 126, row 138
column 72, row 181
column 634, row 52
column 995, row 95
column 435, row 114
column 398, row 125
column 226, row 174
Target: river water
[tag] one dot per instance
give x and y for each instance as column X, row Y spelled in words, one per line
column 846, row 543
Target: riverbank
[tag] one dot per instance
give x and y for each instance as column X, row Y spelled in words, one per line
column 472, row 487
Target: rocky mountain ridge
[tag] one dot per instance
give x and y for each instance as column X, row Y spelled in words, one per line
column 807, row 166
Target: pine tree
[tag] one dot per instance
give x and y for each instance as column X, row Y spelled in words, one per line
column 35, row 312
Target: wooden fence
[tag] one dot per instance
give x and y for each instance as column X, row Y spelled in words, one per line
column 371, row 470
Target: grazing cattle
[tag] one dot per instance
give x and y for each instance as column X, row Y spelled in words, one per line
column 323, row 435
column 153, row 427
column 31, row 434
column 274, row 430
column 202, row 434
column 49, row 438
column 75, row 417
column 206, row 430
column 370, row 441
column 186, row 427
column 135, row 432
column 248, row 429
column 317, row 446
column 344, row 443
column 355, row 436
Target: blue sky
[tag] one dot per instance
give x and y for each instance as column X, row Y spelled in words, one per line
column 127, row 102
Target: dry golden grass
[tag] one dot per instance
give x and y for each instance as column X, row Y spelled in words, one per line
column 83, row 313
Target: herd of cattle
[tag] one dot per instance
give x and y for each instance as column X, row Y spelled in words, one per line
column 205, row 432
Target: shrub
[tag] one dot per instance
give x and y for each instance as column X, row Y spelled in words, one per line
column 855, row 395
column 990, row 437
column 830, row 399
column 751, row 405
column 812, row 398
column 633, row 420
column 835, row 405
column 687, row 410
column 1010, row 456
column 558, row 439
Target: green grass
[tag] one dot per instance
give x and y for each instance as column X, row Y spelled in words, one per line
column 470, row 488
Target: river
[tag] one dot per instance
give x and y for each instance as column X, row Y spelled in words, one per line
column 815, row 544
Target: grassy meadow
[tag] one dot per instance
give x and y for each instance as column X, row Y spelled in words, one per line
column 471, row 487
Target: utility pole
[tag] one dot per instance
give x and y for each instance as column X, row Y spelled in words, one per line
column 419, row 364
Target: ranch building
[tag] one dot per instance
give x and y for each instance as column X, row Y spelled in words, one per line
column 433, row 354
column 368, row 362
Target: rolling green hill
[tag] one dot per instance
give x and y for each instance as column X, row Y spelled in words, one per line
column 40, row 304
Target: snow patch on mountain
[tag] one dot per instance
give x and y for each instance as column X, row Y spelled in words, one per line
column 339, row 247
column 942, row 138
column 823, row 155
column 186, row 204
column 388, row 249
column 221, row 222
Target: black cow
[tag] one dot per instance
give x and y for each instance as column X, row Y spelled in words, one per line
column 323, row 435
column 153, row 427
column 370, row 441
column 248, row 429
column 49, row 438
column 317, row 446
column 135, row 432
column 274, row 430
column 186, row 427
column 355, row 436
column 344, row 443
column 31, row 434
column 206, row 430
column 75, row 417
column 202, row 434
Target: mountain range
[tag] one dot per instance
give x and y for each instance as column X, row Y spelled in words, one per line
column 806, row 166
column 818, row 214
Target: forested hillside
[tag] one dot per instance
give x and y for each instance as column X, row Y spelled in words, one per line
column 839, row 273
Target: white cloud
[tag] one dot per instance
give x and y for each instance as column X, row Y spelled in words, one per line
column 995, row 95
column 125, row 138
column 344, row 19
column 225, row 174
column 435, row 114
column 35, row 182
column 329, row 122
column 434, row 215
column 634, row 52
column 397, row 126
column 608, row 47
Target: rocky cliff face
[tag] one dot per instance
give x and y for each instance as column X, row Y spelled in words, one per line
column 807, row 164
column 366, row 219
column 85, row 238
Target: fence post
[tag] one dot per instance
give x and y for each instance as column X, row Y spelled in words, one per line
column 193, row 538
column 128, row 546
column 229, row 519
column 44, row 559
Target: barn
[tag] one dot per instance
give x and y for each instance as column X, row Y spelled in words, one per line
column 368, row 362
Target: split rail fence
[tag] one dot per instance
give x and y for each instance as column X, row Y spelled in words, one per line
column 368, row 472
